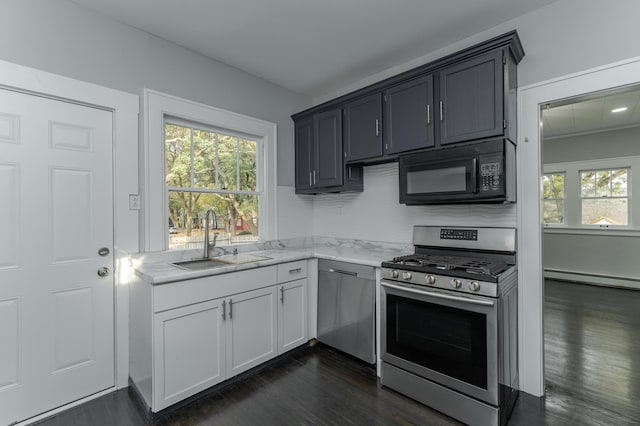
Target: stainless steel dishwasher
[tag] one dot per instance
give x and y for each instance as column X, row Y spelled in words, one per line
column 346, row 306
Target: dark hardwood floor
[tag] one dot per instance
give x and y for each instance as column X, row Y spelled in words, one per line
column 593, row 378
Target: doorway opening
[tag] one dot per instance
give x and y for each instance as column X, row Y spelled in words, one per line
column 590, row 211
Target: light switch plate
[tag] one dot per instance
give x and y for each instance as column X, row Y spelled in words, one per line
column 134, row 202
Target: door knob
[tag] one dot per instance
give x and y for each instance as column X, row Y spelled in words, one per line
column 103, row 272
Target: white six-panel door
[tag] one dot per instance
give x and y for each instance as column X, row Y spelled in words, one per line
column 56, row 213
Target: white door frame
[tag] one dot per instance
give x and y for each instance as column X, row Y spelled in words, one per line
column 529, row 175
column 125, row 108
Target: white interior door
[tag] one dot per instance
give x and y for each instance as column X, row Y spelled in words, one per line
column 56, row 214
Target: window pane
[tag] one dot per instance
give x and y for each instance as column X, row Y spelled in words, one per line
column 619, row 183
column 204, row 159
column 227, row 162
column 248, row 162
column 553, row 186
column 553, row 211
column 237, row 219
column 177, row 151
column 588, row 184
column 605, row 211
column 603, row 183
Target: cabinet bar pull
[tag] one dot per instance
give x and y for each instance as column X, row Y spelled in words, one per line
column 314, row 177
column 282, row 295
column 377, row 127
column 224, row 310
column 428, row 114
column 295, row 271
column 230, row 308
column 310, row 181
column 441, row 114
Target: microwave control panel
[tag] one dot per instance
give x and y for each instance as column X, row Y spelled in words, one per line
column 491, row 174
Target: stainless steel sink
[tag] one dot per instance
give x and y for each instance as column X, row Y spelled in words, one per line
column 217, row 262
column 199, row 264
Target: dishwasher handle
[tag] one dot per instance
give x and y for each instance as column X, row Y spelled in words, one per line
column 343, row 272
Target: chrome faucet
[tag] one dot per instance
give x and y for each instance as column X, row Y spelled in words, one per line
column 208, row 246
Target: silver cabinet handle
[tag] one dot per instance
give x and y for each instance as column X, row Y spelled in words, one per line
column 438, row 295
column 230, row 308
column 310, row 181
column 428, row 114
column 441, row 112
column 224, row 310
column 103, row 272
column 314, row 177
column 340, row 271
column 377, row 127
column 282, row 295
column 295, row 271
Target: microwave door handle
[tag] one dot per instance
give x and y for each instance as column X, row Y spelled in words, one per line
column 438, row 295
column 474, row 175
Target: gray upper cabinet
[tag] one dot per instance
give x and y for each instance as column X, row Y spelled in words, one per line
column 463, row 97
column 408, row 116
column 304, row 155
column 363, row 128
column 472, row 99
column 328, row 149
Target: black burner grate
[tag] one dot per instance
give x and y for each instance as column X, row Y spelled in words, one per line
column 451, row 263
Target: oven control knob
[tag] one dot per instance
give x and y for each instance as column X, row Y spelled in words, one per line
column 456, row 283
column 474, row 286
column 430, row 279
column 406, row 275
column 394, row 274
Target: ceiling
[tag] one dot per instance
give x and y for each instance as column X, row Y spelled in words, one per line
column 592, row 113
column 313, row 47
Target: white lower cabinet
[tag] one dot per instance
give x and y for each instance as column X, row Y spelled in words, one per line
column 200, row 344
column 189, row 352
column 292, row 315
column 251, row 329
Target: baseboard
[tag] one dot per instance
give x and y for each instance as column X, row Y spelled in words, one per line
column 594, row 279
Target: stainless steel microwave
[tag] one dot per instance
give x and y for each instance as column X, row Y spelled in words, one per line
column 480, row 172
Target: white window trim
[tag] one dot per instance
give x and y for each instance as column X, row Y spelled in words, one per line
column 157, row 105
column 572, row 193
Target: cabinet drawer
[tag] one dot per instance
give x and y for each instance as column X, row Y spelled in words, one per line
column 292, row 271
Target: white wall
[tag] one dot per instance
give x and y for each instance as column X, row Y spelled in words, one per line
column 62, row 37
column 376, row 214
column 592, row 146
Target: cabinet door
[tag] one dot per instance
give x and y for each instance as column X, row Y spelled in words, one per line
column 304, row 146
column 292, row 315
column 189, row 352
column 471, row 93
column 408, row 120
column 251, row 329
column 328, row 149
column 363, row 128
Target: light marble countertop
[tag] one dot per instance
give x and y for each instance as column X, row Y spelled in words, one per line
column 156, row 268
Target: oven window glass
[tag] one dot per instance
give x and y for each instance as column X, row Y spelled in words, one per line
column 449, row 179
column 447, row 340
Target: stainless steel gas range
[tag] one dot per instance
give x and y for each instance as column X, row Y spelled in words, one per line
column 449, row 322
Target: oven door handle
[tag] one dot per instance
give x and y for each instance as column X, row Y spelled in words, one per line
column 438, row 295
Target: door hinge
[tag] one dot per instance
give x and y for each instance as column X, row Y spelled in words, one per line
column 504, row 124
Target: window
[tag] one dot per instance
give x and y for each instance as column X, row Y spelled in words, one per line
column 207, row 168
column 553, row 198
column 604, row 197
column 200, row 125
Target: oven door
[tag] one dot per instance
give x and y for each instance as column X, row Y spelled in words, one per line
column 443, row 336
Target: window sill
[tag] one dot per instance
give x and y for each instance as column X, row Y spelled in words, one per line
column 617, row 232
